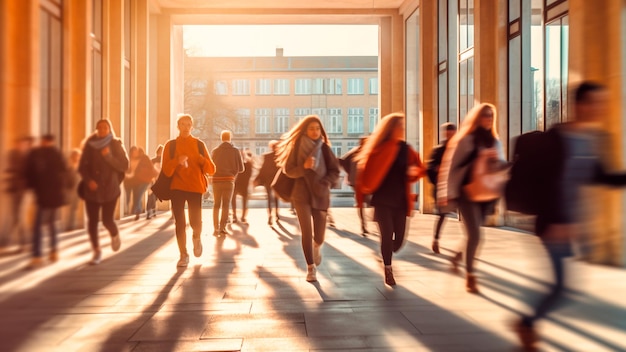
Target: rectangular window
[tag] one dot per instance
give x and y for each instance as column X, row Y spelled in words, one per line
column 318, row 86
column 241, row 87
column 374, row 86
column 355, row 86
column 263, row 86
column 262, row 121
column 221, row 87
column 335, row 120
column 332, row 86
column 320, row 112
column 300, row 113
column 281, row 120
column 355, row 120
column 373, row 119
column 281, row 87
column 243, row 121
column 336, row 150
column 303, row 86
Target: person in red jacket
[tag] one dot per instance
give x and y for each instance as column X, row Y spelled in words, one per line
column 188, row 169
column 386, row 168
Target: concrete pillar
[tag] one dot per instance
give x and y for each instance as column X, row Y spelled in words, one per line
column 428, row 83
column 164, row 79
column 77, row 60
column 391, row 65
column 139, row 70
column 113, row 63
column 596, row 52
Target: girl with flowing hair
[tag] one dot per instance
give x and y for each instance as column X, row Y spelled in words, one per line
column 386, row 168
column 304, row 154
column 477, row 136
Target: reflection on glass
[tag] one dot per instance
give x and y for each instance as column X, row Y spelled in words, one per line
column 536, row 69
column 463, row 89
column 556, row 65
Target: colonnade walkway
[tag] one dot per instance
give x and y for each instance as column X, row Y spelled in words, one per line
column 247, row 292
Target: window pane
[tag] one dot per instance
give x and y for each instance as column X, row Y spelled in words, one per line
column 355, row 86
column 281, row 87
column 373, row 86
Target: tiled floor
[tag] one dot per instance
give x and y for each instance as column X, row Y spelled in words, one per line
column 248, row 292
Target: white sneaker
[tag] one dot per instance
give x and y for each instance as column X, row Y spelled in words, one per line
column 97, row 258
column 311, row 275
column 116, row 243
column 317, row 253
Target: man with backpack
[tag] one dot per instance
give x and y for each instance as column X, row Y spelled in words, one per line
column 577, row 157
column 432, row 170
column 187, row 167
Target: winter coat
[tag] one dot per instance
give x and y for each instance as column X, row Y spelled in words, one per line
column 47, row 174
column 107, row 171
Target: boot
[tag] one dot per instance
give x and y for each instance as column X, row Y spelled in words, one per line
column 470, row 284
column 389, row 280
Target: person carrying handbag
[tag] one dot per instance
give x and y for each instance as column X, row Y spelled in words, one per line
column 476, row 139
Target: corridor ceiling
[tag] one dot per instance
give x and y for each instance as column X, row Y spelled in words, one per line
column 275, row 11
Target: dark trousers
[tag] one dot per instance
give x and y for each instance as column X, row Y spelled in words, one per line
column 271, row 198
column 222, row 195
column 44, row 216
column 244, row 205
column 312, row 226
column 194, row 205
column 473, row 216
column 392, row 227
column 93, row 216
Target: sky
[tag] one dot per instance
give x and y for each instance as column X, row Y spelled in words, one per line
column 296, row 40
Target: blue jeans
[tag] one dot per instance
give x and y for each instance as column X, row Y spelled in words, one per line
column 44, row 216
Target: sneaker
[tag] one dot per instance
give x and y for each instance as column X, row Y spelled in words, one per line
column 389, row 280
column 35, row 262
column 97, row 258
column 317, row 253
column 53, row 256
column 470, row 284
column 311, row 274
column 435, row 246
column 197, row 246
column 116, row 243
column 527, row 335
column 183, row 261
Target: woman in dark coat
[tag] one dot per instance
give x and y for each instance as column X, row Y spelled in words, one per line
column 102, row 166
column 266, row 177
column 304, row 154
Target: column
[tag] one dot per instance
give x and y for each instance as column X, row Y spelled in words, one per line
column 113, row 64
column 139, row 69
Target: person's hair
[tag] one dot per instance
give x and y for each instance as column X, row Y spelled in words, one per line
column 288, row 139
column 49, row 137
column 581, row 93
column 108, row 122
column 159, row 149
column 382, row 133
column 226, row 136
column 448, row 126
column 272, row 144
column 472, row 121
column 132, row 150
column 182, row 117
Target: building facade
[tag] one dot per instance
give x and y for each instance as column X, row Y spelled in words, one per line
column 67, row 63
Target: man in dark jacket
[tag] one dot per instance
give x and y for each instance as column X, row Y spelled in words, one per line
column 432, row 170
column 228, row 163
column 266, row 177
column 580, row 162
column 47, row 175
column 16, row 188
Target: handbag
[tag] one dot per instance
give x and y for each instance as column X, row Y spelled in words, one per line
column 161, row 188
column 283, row 185
column 488, row 179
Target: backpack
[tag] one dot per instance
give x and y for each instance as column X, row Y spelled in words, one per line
column 162, row 186
column 537, row 164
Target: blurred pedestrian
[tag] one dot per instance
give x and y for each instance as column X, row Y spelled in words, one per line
column 228, row 164
column 477, row 136
column 242, row 184
column 102, row 166
column 188, row 168
column 129, row 181
column 151, row 198
column 387, row 166
column 142, row 176
column 266, row 177
column 432, row 169
column 349, row 165
column 304, row 154
column 581, row 161
column 73, row 201
column 47, row 175
column 16, row 188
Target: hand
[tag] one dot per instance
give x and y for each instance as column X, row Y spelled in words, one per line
column 182, row 160
column 490, row 153
column 309, row 163
column 412, row 171
column 105, row 151
column 92, row 185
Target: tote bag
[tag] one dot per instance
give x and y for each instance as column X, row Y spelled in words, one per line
column 488, row 179
column 283, row 185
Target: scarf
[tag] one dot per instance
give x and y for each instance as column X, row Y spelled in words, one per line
column 372, row 171
column 309, row 147
column 99, row 143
